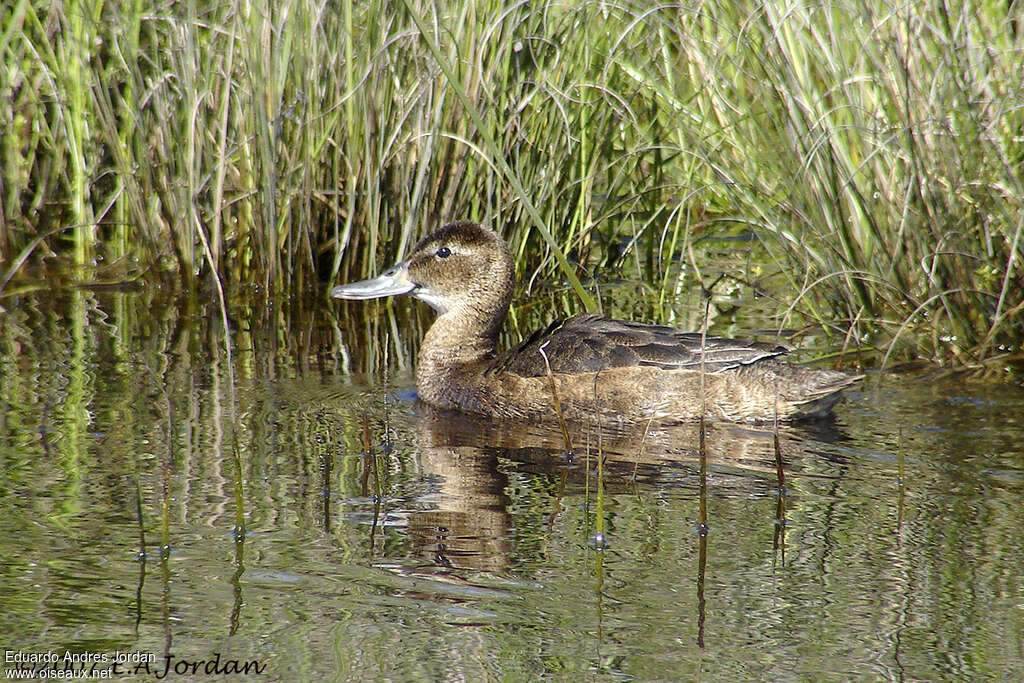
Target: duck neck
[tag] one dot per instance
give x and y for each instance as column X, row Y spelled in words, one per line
column 458, row 338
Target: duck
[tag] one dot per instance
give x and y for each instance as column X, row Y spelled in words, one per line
column 582, row 368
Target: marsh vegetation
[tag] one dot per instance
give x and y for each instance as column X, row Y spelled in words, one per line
column 870, row 153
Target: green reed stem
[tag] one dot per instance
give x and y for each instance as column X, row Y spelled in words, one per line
column 872, row 153
column 499, row 160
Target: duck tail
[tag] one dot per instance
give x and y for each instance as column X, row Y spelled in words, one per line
column 817, row 397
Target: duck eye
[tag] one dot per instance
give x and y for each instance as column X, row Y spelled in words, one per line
column 443, row 252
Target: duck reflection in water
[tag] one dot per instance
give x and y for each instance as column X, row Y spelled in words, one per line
column 464, row 520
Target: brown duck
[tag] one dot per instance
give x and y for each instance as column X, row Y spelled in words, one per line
column 596, row 367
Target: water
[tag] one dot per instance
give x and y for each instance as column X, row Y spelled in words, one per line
column 462, row 549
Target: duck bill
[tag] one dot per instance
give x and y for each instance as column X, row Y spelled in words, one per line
column 392, row 282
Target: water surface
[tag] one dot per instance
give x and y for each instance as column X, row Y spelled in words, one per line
column 293, row 506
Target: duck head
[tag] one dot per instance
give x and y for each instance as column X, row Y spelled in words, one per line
column 463, row 271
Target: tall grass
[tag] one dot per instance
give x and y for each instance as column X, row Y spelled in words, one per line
column 874, row 150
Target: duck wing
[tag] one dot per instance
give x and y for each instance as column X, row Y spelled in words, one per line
column 590, row 343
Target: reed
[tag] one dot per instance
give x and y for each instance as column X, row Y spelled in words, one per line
column 873, row 151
